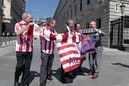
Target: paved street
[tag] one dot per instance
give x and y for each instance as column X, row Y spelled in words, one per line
column 114, row 69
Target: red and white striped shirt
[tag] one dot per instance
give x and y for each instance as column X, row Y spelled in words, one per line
column 48, row 46
column 24, row 42
column 77, row 36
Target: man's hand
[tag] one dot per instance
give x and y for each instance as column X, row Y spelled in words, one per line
column 55, row 34
column 30, row 24
column 97, row 30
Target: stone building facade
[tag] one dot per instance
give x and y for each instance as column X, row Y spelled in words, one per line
column 84, row 11
column 12, row 12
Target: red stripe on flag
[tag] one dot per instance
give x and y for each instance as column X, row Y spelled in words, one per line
column 65, row 46
column 71, row 68
column 68, row 53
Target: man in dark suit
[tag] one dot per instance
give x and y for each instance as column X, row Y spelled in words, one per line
column 95, row 58
column 69, row 27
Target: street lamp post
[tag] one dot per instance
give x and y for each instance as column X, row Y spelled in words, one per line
column 122, row 8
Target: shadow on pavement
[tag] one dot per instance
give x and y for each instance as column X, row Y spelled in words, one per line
column 121, row 64
column 85, row 70
column 57, row 74
column 33, row 74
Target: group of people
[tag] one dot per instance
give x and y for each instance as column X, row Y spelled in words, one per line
column 25, row 31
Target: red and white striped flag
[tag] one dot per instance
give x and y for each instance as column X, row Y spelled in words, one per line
column 69, row 53
column 69, row 56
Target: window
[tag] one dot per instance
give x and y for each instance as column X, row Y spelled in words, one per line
column 87, row 25
column 98, row 23
column 88, row 2
column 80, row 5
column 126, row 21
column 75, row 9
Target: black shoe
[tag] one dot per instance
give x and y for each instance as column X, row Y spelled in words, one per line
column 49, row 78
column 16, row 84
column 63, row 80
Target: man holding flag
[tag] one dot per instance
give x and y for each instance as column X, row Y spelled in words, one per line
column 69, row 52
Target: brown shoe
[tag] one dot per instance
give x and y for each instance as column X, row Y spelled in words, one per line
column 49, row 78
column 94, row 76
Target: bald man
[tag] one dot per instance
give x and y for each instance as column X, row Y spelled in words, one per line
column 69, row 27
column 95, row 58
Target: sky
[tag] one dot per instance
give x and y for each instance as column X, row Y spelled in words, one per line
column 41, row 8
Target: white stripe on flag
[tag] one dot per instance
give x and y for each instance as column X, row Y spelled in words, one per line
column 66, row 50
column 69, row 56
column 69, row 65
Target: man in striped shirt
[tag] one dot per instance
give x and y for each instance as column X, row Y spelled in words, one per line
column 47, row 53
column 24, row 48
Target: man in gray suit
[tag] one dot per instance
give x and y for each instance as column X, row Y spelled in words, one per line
column 95, row 58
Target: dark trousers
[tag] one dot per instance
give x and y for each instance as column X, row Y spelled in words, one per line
column 23, row 66
column 46, row 66
column 95, row 60
column 92, row 62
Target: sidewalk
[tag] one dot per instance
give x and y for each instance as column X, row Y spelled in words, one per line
column 5, row 41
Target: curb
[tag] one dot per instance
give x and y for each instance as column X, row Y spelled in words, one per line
column 3, row 44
